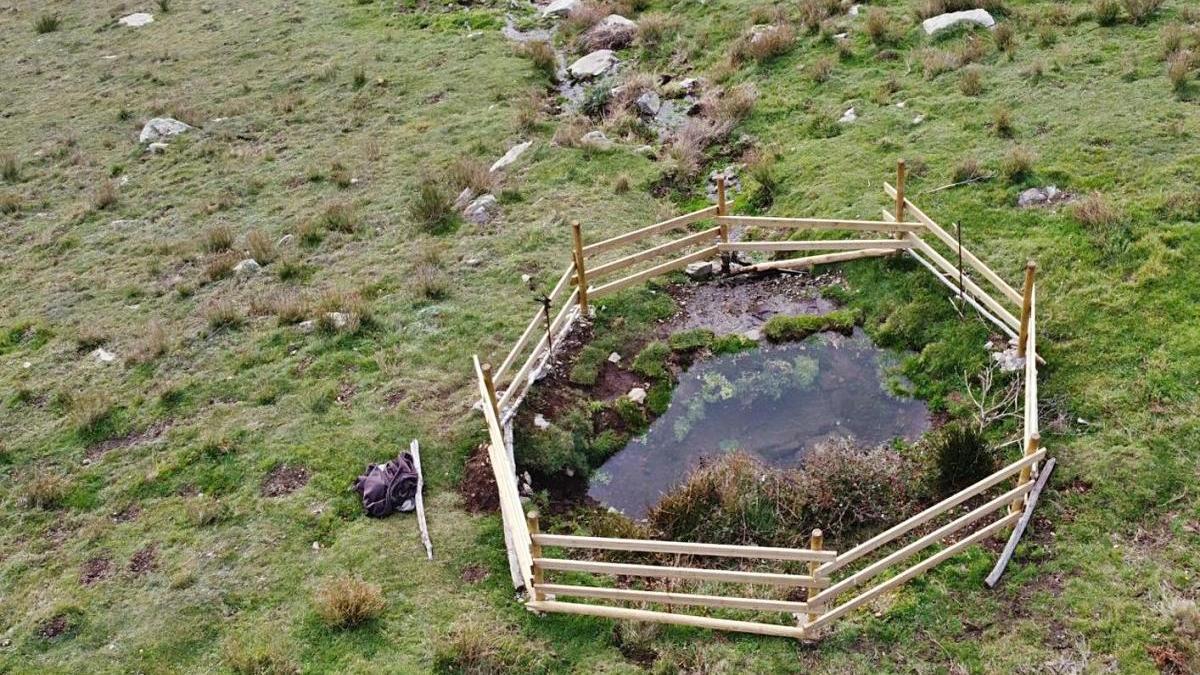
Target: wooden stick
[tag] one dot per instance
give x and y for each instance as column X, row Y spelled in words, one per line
column 816, row 541
column 815, row 245
column 580, row 270
column 531, row 520
column 970, row 284
column 667, row 572
column 613, row 286
column 608, row 612
column 919, row 568
column 901, row 174
column 1005, row 290
column 490, row 386
column 683, row 548
column 970, row 299
column 1031, row 447
column 1026, row 305
column 930, row 513
column 821, row 224
column 665, row 598
column 810, row 261
column 657, row 228
column 415, row 449
column 723, row 210
column 1030, row 502
column 705, row 236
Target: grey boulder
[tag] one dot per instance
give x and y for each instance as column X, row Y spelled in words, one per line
column 941, row 22
column 162, row 128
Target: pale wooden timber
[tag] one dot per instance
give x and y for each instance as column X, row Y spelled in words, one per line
column 1026, row 305
column 607, row 612
column 901, row 173
column 520, row 380
column 821, row 224
column 683, row 548
column 415, row 449
column 1005, row 328
column 994, row 577
column 623, row 282
column 665, row 598
column 815, row 245
column 539, row 320
column 531, row 521
column 911, row 572
column 950, row 241
column 969, row 284
column 930, row 513
column 564, row 282
column 816, row 541
column 660, row 250
column 865, row 574
column 1031, row 446
column 581, row 283
column 657, row 228
column 810, row 261
column 511, row 512
column 667, row 572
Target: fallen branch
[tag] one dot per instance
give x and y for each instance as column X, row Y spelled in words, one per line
column 1011, row 546
column 415, row 448
column 968, row 181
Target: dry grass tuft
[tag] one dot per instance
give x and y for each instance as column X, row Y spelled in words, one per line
column 246, row 657
column 934, row 62
column 881, row 28
column 105, row 195
column 655, row 29
column 221, row 266
column 1095, row 212
column 1106, row 12
column 217, row 239
column 541, row 55
column 339, row 216
column 10, row 168
column 470, row 172
column 814, row 12
column 1141, row 11
column 47, row 23
column 46, row 490
column 1179, row 69
column 290, row 307
column 477, row 648
column 90, row 412
column 1005, row 38
column 1002, row 123
column 970, row 82
column 622, row 184
column 342, row 312
column 261, row 247
column 432, row 208
column 967, row 169
column 11, row 202
column 764, row 43
column 1017, row 163
column 821, row 69
column 222, row 314
column 347, row 602
column 153, row 343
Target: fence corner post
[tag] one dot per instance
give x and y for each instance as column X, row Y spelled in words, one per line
column 491, row 389
column 901, row 175
column 535, row 550
column 1031, row 447
column 816, row 542
column 580, row 272
column 1026, row 305
column 723, row 210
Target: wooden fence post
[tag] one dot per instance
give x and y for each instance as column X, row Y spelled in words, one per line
column 491, row 389
column 1035, row 442
column 901, row 173
column 816, row 542
column 1026, row 306
column 531, row 519
column 723, row 210
column 580, row 272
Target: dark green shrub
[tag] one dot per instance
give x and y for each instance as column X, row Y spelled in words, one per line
column 963, row 457
column 432, row 208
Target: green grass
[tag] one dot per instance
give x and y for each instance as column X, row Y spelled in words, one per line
column 396, row 94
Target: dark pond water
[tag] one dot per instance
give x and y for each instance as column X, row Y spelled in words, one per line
column 776, row 402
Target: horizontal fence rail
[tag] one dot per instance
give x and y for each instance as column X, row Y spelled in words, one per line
column 816, row 605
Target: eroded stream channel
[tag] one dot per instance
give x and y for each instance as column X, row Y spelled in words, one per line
column 774, row 402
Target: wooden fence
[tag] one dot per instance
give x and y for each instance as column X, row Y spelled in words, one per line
column 833, row 581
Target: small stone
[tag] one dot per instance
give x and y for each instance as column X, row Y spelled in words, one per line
column 482, row 210
column 699, row 271
column 848, row 117
column 753, row 334
column 464, row 198
column 136, row 20
column 612, row 32
column 614, row 358
column 540, row 421
column 102, row 355
column 247, row 267
column 941, row 22
column 596, row 140
column 285, row 240
column 853, row 11
column 472, row 262
column 307, row 326
column 637, row 395
column 560, row 7
column 595, row 64
column 316, row 546
column 511, row 156
column 156, row 148
column 918, row 119
column 648, row 104
column 526, row 279
column 339, row 319
column 161, row 128
column 645, row 151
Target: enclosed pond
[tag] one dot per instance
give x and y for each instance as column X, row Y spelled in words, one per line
column 775, row 402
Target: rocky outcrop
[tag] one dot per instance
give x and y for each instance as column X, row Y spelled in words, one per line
column 612, row 32
column 162, row 128
column 598, row 63
column 978, row 17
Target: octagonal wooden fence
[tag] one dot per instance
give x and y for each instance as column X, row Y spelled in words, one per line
column 788, row 592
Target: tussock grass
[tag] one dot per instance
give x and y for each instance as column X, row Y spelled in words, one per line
column 153, row 343
column 348, row 602
column 341, row 311
column 655, row 30
column 764, row 44
column 105, row 195
column 970, row 82
column 217, row 239
column 821, row 69
column 46, row 490
column 10, row 168
column 248, row 656
column 432, row 207
column 221, row 266
column 221, row 314
column 90, row 412
column 1004, row 37
column 47, row 23
column 1179, row 69
column 11, row 203
column 1002, row 122
column 968, row 168
column 339, row 216
column 471, row 648
column 261, row 247
column 542, row 56
column 1106, row 12
column 471, row 172
column 1141, row 11
column 881, row 28
column 1017, row 163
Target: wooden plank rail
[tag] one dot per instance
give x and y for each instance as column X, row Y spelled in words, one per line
column 666, row 598
column 867, row 573
column 683, row 548
column 608, row 612
column 930, row 513
column 1031, row 372
column 969, row 284
column 815, row 245
column 538, row 322
column 698, row 573
column 821, row 224
column 706, row 236
column 623, row 282
column 520, row 380
column 911, row 572
column 657, row 228
column 937, row 230
column 813, row 260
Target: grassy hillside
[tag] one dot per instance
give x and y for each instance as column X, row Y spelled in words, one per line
column 138, row 527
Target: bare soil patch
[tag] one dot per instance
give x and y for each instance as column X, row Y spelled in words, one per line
column 131, row 439
column 127, row 514
column 478, row 486
column 743, row 304
column 144, row 561
column 95, row 570
column 53, row 627
column 474, row 574
column 284, row 480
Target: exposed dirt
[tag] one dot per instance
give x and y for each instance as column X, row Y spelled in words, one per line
column 395, row 398
column 478, row 486
column 1169, row 659
column 743, row 304
column 144, row 561
column 284, row 480
column 146, row 435
column 345, row 394
column 95, row 570
column 614, row 381
column 127, row 514
column 474, row 574
column 53, row 627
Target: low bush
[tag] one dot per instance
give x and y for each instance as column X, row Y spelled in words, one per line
column 962, row 457
column 347, row 602
column 542, row 56
column 782, row 328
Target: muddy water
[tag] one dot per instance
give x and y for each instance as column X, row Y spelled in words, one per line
column 775, row 403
